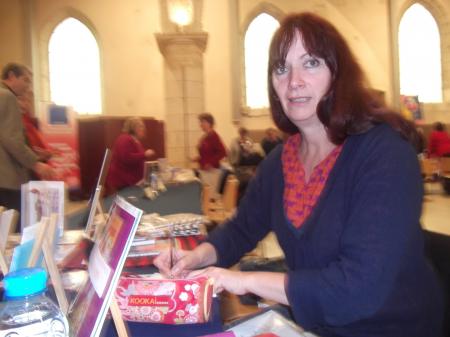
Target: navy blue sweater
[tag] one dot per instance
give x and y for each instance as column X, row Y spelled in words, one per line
column 357, row 264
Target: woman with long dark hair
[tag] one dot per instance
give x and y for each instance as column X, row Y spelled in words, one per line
column 343, row 196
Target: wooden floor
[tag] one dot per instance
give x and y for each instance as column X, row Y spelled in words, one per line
column 436, row 209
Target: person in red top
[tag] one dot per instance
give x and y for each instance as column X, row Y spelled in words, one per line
column 33, row 135
column 210, row 148
column 439, row 142
column 211, row 151
column 128, row 156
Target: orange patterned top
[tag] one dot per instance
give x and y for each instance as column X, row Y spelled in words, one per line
column 301, row 196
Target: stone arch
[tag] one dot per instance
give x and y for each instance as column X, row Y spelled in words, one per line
column 263, row 7
column 44, row 35
column 440, row 15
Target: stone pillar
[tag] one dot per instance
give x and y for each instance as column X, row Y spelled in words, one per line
column 184, row 92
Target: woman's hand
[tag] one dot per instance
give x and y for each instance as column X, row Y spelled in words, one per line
column 174, row 263
column 194, row 159
column 43, row 154
column 44, row 171
column 268, row 285
column 179, row 263
column 232, row 281
column 149, row 153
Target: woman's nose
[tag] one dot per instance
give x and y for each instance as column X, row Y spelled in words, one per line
column 296, row 79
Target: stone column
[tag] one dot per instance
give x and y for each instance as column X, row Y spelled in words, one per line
column 184, row 92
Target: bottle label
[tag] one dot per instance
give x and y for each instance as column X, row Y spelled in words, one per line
column 53, row 327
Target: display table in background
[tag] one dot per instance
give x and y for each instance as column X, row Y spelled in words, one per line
column 96, row 134
column 179, row 198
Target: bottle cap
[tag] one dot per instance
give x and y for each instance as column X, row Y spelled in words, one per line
column 25, row 282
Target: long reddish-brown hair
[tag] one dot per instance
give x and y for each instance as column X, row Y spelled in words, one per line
column 350, row 106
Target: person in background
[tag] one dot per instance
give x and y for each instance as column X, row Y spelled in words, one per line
column 420, row 146
column 17, row 159
column 210, row 152
column 33, row 135
column 245, row 155
column 343, row 196
column 271, row 140
column 244, row 151
column 439, row 141
column 128, row 156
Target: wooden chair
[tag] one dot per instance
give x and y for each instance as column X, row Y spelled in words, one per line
column 430, row 168
column 220, row 210
column 445, row 174
column 444, row 165
column 230, row 195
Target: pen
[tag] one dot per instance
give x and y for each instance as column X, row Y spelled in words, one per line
column 171, row 250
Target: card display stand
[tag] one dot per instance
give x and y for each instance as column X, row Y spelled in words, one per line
column 111, row 243
column 93, row 230
column 96, row 208
column 44, row 243
column 8, row 220
column 44, row 238
column 96, row 205
column 3, row 264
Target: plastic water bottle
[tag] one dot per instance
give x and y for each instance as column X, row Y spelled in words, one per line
column 27, row 311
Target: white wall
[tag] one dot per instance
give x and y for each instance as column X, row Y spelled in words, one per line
column 132, row 66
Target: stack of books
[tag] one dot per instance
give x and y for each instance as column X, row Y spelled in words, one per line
column 157, row 233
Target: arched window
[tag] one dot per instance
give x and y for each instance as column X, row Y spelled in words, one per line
column 420, row 55
column 256, row 44
column 74, row 67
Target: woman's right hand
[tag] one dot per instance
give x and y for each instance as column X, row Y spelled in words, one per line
column 44, row 171
column 176, row 263
column 149, row 153
column 182, row 262
column 194, row 159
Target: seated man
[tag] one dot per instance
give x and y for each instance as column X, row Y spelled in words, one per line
column 245, row 155
column 243, row 151
column 271, row 140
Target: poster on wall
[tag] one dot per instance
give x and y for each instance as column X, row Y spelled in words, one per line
column 410, row 107
column 60, row 130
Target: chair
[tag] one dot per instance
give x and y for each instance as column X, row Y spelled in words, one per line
column 430, row 168
column 444, row 165
column 230, row 194
column 220, row 210
column 444, row 173
column 430, row 172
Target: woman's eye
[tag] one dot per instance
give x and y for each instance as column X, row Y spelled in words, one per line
column 280, row 69
column 312, row 63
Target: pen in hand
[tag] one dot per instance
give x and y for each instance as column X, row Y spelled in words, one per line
column 171, row 251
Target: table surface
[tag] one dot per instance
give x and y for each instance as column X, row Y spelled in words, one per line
column 179, row 198
column 166, row 330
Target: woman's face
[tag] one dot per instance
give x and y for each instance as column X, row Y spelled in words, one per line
column 204, row 125
column 139, row 131
column 301, row 83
